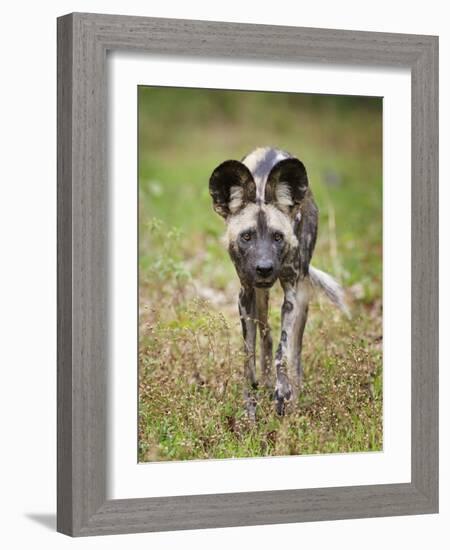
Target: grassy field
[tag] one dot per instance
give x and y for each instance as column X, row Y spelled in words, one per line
column 191, row 386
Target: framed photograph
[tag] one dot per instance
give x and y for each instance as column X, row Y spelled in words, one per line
column 247, row 274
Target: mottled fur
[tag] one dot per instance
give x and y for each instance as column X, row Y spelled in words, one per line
column 271, row 233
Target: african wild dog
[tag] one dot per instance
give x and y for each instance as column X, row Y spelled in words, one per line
column 271, row 232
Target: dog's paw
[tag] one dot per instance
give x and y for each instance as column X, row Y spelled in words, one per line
column 250, row 404
column 282, row 395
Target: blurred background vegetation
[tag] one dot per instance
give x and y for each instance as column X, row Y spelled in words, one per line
column 191, row 381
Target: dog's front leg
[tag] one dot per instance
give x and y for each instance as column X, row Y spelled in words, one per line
column 247, row 312
column 287, row 359
column 262, row 311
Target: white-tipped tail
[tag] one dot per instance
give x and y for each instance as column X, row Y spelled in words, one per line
column 330, row 287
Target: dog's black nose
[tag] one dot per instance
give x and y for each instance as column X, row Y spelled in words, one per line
column 264, row 269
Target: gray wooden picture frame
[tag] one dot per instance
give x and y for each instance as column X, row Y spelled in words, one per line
column 83, row 42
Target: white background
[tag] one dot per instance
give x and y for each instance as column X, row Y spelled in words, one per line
column 28, row 272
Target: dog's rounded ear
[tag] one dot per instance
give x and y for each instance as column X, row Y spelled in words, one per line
column 286, row 185
column 231, row 187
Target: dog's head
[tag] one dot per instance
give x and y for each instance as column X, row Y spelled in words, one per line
column 271, row 223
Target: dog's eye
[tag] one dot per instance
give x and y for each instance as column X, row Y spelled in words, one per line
column 277, row 237
column 246, row 236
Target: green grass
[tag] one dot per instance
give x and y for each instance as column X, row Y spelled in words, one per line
column 191, row 387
